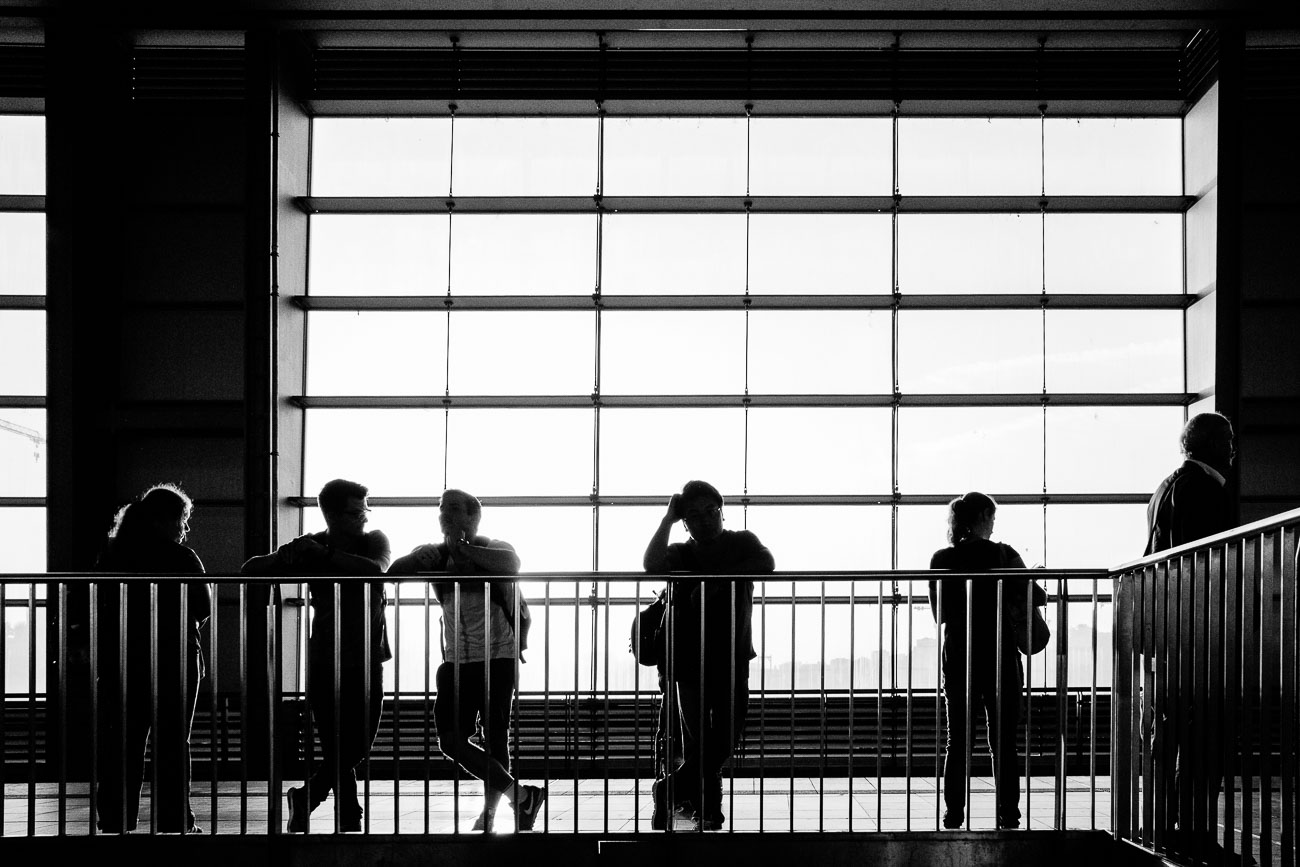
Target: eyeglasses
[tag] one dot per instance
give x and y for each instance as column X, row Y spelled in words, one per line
column 697, row 514
column 356, row 513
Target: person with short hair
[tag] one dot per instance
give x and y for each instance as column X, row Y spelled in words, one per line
column 713, row 712
column 472, row 658
column 147, row 537
column 972, row 549
column 344, row 549
column 1192, row 502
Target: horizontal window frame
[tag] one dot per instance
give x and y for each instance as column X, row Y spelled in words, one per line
column 881, row 500
column 678, row 401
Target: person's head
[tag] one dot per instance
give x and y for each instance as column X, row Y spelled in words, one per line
column 161, row 512
column 1207, row 437
column 459, row 513
column 344, row 506
column 700, row 506
column 970, row 516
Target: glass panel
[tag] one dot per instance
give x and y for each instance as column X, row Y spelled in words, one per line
column 18, row 628
column 22, row 352
column 819, row 451
column 970, row 351
column 22, row 254
column 549, row 352
column 626, row 530
column 27, row 526
column 656, row 451
column 1113, row 156
column 951, row 450
column 527, row 452
column 674, row 156
column 923, row 531
column 673, row 254
column 1081, row 536
column 1114, row 350
column 1114, row 253
column 820, row 352
column 820, row 254
column 525, row 156
column 862, row 537
column 1111, row 449
column 22, row 155
column 969, row 156
column 380, row 156
column 544, row 254
column 377, row 254
column 385, row 352
column 970, row 253
column 821, row 156
column 402, row 454
column 24, row 456
column 672, row 352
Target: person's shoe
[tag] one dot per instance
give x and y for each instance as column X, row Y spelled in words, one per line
column 529, row 806
column 485, row 821
column 296, row 797
column 659, row 818
column 711, row 823
column 350, row 825
column 953, row 819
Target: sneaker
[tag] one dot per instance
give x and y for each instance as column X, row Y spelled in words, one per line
column 710, row 823
column 485, row 821
column 953, row 819
column 529, row 806
column 298, row 809
column 350, row 825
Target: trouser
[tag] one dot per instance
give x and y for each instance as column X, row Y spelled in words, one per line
column 712, row 718
column 462, row 702
column 122, row 753
column 1002, row 717
column 344, row 747
column 668, row 731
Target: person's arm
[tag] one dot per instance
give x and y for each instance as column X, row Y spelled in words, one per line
column 656, row 557
column 756, row 557
column 494, row 557
column 424, row 558
column 266, row 564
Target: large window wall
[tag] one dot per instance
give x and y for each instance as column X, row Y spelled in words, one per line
column 841, row 322
column 23, row 446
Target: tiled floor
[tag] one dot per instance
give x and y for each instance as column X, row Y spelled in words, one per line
column 596, row 806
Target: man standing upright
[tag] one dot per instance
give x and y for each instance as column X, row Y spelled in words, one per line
column 344, row 549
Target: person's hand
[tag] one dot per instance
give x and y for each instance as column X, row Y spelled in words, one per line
column 427, row 557
column 302, row 551
column 674, row 513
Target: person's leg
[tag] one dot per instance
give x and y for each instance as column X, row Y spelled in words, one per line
column 120, row 763
column 320, row 699
column 177, row 698
column 496, row 723
column 1003, row 715
column 955, row 751
column 455, row 709
column 682, row 785
column 725, row 714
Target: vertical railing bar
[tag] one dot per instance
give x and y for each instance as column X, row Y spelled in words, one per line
column 367, row 688
column 636, row 718
column 907, row 752
column 732, row 729
column 825, row 740
column 941, row 732
column 214, row 704
column 458, row 654
column 880, row 702
column 428, row 709
column 397, row 708
column 968, row 734
column 1161, row 758
column 1230, row 661
column 1062, row 681
column 1249, row 683
column 794, row 673
column 486, row 589
column 853, row 667
column 699, row 783
column 154, row 675
column 61, row 685
column 762, row 712
column 577, row 698
column 1092, row 713
column 4, row 686
column 546, row 703
column 1289, row 708
column 605, row 801
column 31, row 712
column 1270, row 577
column 1213, row 686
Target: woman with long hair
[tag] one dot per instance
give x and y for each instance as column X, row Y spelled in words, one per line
column 146, row 538
column 971, row 549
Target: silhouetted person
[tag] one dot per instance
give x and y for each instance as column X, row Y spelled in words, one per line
column 971, row 549
column 1190, row 503
column 479, row 646
column 345, row 548
column 712, row 713
column 146, row 538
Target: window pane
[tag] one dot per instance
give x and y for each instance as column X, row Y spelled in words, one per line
column 819, row 451
column 947, row 450
column 394, row 452
column 969, row 156
column 18, row 627
column 532, row 530
column 377, row 254
column 673, row 254
column 1113, row 156
column 1111, row 449
column 525, row 156
column 1095, row 537
column 383, row 352
column 970, row 351
column 674, row 156
column 820, row 352
column 549, row 352
column 378, row 156
column 862, row 536
column 672, row 352
column 821, row 156
column 656, row 451
column 22, row 155
column 1119, row 253
column 22, row 254
column 24, row 456
column 970, row 253
column 523, row 254
column 1114, row 350
column 923, row 530
column 22, row 352
column 820, row 254
column 626, row 530
column 529, row 452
